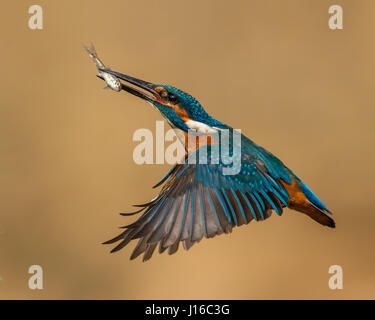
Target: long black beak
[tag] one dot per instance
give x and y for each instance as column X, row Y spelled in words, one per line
column 147, row 86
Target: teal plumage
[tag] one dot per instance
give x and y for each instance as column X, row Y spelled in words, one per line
column 197, row 200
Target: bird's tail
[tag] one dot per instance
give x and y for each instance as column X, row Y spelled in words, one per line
column 302, row 199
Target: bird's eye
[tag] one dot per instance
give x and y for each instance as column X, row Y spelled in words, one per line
column 169, row 97
column 173, row 98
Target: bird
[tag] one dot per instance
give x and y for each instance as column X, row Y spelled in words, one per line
column 197, row 200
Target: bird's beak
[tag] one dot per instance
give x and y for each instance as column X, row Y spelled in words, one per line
column 147, row 86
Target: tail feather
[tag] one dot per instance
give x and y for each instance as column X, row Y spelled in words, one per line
column 303, row 200
column 313, row 198
column 313, row 212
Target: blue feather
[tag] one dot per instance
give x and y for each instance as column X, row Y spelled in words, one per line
column 192, row 212
column 313, row 198
column 257, row 204
column 260, row 200
column 183, row 213
column 265, row 195
column 173, row 218
column 230, row 206
column 249, row 205
column 202, row 212
column 213, row 207
column 239, row 205
column 157, row 209
column 165, row 211
column 222, row 202
column 282, row 199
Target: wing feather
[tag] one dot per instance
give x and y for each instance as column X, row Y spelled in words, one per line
column 198, row 201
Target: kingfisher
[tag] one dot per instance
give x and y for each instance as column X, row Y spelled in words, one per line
column 198, row 200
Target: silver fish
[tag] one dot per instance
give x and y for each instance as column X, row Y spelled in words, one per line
column 112, row 81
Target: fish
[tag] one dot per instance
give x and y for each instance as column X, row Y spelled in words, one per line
column 112, row 81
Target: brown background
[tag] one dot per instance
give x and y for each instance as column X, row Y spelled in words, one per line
column 272, row 68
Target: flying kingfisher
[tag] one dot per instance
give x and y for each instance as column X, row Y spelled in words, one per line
column 197, row 199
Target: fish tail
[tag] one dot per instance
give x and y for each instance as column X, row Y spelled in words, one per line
column 93, row 55
column 90, row 50
column 93, row 50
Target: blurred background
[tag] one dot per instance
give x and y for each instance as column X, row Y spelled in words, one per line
column 271, row 68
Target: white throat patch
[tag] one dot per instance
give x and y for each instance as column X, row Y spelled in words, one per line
column 200, row 127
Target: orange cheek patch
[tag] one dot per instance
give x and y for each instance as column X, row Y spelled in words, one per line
column 160, row 91
column 182, row 113
column 184, row 116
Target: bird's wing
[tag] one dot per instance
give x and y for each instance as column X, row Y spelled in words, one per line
column 198, row 200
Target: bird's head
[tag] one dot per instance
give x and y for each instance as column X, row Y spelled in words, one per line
column 180, row 109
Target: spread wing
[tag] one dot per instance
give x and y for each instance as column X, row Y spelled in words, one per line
column 198, row 200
